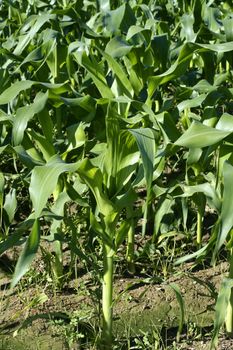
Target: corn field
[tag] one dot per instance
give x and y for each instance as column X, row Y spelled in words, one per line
column 116, row 127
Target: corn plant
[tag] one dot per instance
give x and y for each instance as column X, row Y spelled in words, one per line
column 100, row 98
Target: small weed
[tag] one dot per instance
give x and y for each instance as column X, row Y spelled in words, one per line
column 77, row 330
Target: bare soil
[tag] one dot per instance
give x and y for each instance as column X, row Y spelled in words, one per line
column 33, row 313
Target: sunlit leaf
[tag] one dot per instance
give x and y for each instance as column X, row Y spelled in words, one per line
column 226, row 219
column 10, row 205
column 199, row 135
column 146, row 141
column 44, row 180
column 28, row 254
column 118, row 47
column 220, row 309
column 24, row 114
column 94, row 179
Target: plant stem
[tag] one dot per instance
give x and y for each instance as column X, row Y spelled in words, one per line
column 200, row 201
column 145, row 215
column 107, row 296
column 58, row 263
column 130, row 248
column 229, row 314
column 199, row 227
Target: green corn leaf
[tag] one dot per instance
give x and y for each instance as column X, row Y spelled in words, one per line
column 226, row 218
column 121, row 233
column 10, row 205
column 168, row 128
column 40, row 53
column 146, row 142
column 199, row 253
column 121, row 157
column 76, row 195
column 86, row 102
column 176, row 70
column 98, row 227
column 203, row 86
column 76, row 136
column 44, row 180
column 34, row 56
column 52, row 60
column 206, row 189
column 25, row 114
column 163, row 208
column 46, row 124
column 93, row 177
column 104, row 5
column 27, row 154
column 182, row 62
column 225, row 122
column 121, row 76
column 126, row 160
column 194, row 156
column 228, row 26
column 119, row 19
column 220, row 48
column 16, row 238
column 199, row 135
column 113, row 19
column 187, row 32
column 135, row 80
column 225, row 153
column 2, row 184
column 139, row 34
column 4, row 117
column 14, row 90
column 10, row 93
column 58, row 210
column 36, row 23
column 209, row 15
column 117, row 47
column 126, row 199
column 180, row 300
column 221, row 309
column 194, row 102
column 112, row 151
column 95, row 72
column 160, row 46
column 12, row 241
column 28, row 254
column 43, row 144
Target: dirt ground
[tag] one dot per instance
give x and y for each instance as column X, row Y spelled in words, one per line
column 140, row 307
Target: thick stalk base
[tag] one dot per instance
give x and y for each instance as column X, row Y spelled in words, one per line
column 229, row 317
column 107, row 291
column 229, row 313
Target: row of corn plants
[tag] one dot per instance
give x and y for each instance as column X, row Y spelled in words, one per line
column 99, row 99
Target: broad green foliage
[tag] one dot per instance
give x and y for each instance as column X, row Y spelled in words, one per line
column 28, row 253
column 221, row 306
column 101, row 98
